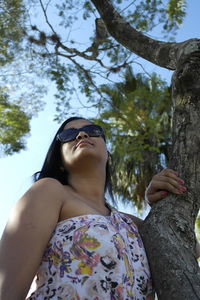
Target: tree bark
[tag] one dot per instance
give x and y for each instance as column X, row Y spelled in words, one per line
column 168, row 231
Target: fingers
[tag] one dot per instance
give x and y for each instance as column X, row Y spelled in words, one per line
column 168, row 174
column 167, row 181
column 156, row 197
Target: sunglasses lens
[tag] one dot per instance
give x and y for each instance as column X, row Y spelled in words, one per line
column 67, row 135
column 94, row 130
column 70, row 134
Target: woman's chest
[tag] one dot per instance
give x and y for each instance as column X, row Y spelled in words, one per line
column 73, row 206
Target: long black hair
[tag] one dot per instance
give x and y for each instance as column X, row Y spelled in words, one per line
column 52, row 166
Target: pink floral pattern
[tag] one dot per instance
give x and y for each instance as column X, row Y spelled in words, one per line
column 93, row 257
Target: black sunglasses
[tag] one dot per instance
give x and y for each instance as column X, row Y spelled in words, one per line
column 70, row 134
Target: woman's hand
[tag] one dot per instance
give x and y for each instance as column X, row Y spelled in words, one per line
column 165, row 182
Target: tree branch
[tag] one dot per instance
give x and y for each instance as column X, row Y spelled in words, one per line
column 160, row 53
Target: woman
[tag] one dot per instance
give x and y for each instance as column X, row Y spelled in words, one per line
column 63, row 230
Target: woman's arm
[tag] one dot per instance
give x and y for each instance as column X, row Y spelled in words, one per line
column 25, row 237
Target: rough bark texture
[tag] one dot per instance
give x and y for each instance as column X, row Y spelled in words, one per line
column 168, row 231
column 160, row 53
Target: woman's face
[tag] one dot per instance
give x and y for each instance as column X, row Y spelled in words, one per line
column 83, row 148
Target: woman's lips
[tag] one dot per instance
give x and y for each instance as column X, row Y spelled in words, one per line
column 83, row 143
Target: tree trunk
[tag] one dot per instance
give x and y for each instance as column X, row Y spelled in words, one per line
column 168, row 231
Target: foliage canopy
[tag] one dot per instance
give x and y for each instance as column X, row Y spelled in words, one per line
column 20, row 93
column 67, row 43
column 79, row 52
column 14, row 126
column 137, row 115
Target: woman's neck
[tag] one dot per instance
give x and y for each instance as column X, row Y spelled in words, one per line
column 89, row 184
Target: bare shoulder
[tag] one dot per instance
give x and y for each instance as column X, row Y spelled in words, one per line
column 29, row 228
column 136, row 220
column 48, row 188
column 48, row 182
column 43, row 200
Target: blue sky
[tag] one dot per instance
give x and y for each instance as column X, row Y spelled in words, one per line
column 16, row 170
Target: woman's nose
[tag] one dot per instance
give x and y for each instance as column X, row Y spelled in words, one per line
column 81, row 135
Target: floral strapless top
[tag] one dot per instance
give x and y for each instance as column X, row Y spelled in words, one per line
column 94, row 257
